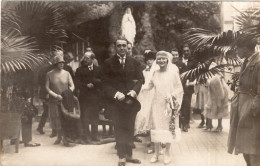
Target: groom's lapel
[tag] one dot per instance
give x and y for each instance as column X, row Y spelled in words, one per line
column 116, row 64
column 117, row 67
column 128, row 64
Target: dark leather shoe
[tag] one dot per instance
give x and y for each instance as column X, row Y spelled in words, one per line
column 65, row 142
column 121, row 163
column 185, row 129
column 40, row 131
column 131, row 160
column 136, row 139
column 201, row 125
column 31, row 144
column 208, row 127
column 58, row 140
column 149, row 145
column 218, row 129
column 53, row 134
column 70, row 140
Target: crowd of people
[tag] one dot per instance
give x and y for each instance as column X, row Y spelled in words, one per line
column 149, row 100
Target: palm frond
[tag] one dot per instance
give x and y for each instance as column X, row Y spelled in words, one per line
column 247, row 18
column 10, row 21
column 16, row 61
column 209, row 45
column 198, row 37
column 42, row 20
column 17, row 52
column 232, row 59
column 12, row 42
column 202, row 71
column 249, row 22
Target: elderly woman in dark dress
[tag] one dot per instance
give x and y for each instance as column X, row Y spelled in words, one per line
column 57, row 81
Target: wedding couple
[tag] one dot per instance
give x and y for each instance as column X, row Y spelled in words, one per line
column 123, row 78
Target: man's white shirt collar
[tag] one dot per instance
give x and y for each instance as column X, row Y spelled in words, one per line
column 185, row 61
column 91, row 66
column 121, row 58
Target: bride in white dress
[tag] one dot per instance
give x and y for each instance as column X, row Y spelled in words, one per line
column 167, row 85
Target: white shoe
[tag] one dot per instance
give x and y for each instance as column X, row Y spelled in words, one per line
column 154, row 159
column 167, row 160
column 150, row 151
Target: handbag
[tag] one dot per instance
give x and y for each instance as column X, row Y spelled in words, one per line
column 28, row 111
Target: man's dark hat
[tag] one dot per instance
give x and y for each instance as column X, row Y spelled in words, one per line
column 130, row 104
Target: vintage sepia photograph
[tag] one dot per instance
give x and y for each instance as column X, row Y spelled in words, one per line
column 130, row 83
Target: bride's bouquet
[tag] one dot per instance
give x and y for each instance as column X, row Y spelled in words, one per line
column 174, row 107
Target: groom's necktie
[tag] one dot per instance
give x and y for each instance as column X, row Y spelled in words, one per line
column 122, row 62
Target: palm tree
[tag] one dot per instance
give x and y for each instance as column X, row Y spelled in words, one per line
column 16, row 49
column 28, row 29
column 209, row 46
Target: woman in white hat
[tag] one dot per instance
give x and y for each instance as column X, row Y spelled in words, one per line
column 57, row 81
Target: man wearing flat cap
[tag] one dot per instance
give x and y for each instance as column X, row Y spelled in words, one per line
column 122, row 76
column 244, row 134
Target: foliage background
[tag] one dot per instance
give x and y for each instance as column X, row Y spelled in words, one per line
column 159, row 25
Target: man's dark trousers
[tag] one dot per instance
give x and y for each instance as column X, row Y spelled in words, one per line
column 122, row 79
column 186, row 108
column 44, row 116
column 124, row 131
column 27, row 131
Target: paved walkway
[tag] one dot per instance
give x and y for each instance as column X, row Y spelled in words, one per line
column 196, row 148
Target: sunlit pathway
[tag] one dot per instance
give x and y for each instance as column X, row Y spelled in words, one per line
column 197, row 148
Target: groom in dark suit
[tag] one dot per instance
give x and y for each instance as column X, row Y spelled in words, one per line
column 122, row 76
